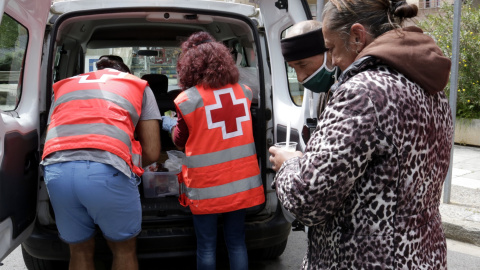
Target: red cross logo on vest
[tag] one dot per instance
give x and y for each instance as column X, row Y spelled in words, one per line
column 115, row 74
column 228, row 113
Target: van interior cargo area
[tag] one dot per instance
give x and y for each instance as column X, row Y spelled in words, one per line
column 149, row 42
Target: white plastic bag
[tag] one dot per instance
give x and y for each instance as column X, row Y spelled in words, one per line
column 174, row 161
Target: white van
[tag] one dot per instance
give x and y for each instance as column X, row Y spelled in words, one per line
column 41, row 43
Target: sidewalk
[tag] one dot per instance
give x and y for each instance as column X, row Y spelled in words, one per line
column 461, row 217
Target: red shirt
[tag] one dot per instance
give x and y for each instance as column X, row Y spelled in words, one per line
column 180, row 133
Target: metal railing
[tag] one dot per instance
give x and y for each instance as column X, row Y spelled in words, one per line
column 453, row 90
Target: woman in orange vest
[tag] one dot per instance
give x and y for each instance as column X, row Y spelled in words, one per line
column 220, row 171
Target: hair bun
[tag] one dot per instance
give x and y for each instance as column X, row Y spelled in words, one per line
column 402, row 9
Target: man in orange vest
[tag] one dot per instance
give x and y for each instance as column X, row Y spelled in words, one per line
column 93, row 161
column 220, row 171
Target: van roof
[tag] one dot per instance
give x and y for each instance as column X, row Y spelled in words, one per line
column 82, row 5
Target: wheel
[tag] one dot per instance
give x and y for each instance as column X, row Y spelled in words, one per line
column 269, row 253
column 33, row 263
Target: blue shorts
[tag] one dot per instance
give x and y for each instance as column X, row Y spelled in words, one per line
column 85, row 193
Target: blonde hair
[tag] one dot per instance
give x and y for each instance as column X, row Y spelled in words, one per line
column 377, row 16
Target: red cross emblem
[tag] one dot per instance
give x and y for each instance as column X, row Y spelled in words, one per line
column 227, row 113
column 103, row 78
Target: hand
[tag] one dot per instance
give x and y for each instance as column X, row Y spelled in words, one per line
column 168, row 123
column 278, row 156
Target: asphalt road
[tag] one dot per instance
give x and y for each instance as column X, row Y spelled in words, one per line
column 461, row 256
column 290, row 259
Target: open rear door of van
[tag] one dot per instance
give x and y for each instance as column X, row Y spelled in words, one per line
column 288, row 110
column 22, row 28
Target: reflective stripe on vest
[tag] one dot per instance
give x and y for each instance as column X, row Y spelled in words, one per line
column 99, row 94
column 247, row 92
column 193, row 102
column 89, row 129
column 220, row 156
column 95, row 129
column 224, row 190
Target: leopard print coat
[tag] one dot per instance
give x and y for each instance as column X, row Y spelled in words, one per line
column 370, row 180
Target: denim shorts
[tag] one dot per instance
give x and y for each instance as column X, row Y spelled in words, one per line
column 86, row 193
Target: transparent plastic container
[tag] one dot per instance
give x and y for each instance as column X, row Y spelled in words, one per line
column 160, row 184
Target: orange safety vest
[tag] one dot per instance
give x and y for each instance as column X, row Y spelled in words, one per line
column 97, row 110
column 220, row 171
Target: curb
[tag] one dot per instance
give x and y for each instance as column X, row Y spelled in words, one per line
column 461, row 223
column 461, row 233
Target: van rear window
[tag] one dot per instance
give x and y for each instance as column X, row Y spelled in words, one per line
column 141, row 60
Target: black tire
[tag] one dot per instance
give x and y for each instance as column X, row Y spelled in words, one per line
column 269, row 253
column 33, row 263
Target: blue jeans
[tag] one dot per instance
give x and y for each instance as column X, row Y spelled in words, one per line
column 234, row 232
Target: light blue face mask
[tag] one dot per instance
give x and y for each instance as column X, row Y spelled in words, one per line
column 321, row 80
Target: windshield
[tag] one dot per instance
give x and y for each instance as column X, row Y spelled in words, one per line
column 159, row 60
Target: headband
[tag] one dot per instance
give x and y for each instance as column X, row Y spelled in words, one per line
column 303, row 46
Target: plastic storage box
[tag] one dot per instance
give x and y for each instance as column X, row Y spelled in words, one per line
column 160, row 184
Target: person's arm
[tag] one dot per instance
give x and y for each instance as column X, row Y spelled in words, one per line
column 314, row 187
column 278, row 156
column 148, row 132
column 148, row 128
column 180, row 132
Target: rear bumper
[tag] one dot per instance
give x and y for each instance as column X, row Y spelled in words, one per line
column 162, row 241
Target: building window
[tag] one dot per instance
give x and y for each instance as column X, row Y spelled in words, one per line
column 432, row 3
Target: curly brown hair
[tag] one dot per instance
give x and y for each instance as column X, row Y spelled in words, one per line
column 206, row 62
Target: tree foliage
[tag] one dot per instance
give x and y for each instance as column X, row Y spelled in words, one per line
column 11, row 47
column 440, row 26
column 9, row 32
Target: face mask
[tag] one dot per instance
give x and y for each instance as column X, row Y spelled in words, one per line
column 321, row 80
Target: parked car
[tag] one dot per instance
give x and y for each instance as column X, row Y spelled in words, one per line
column 49, row 42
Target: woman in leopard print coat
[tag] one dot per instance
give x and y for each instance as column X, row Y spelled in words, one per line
column 369, row 182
